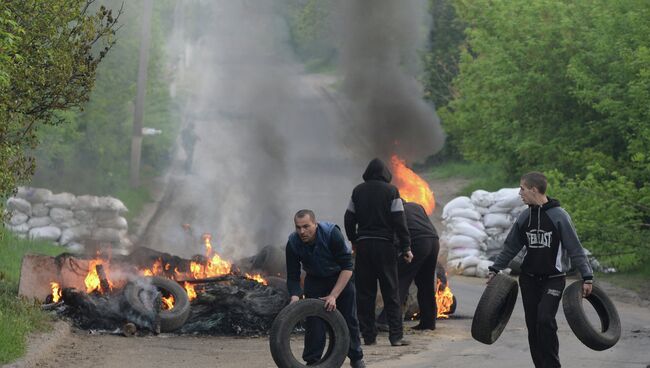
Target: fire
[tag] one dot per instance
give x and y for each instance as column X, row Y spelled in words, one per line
column 56, row 292
column 189, row 288
column 412, row 188
column 156, row 268
column 444, row 299
column 215, row 266
column 257, row 277
column 92, row 281
column 168, row 302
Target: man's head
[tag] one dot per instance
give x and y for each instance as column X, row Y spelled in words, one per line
column 306, row 226
column 532, row 188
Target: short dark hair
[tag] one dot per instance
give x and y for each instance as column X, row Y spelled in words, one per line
column 303, row 213
column 535, row 179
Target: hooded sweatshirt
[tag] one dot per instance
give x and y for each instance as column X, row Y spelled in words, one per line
column 550, row 240
column 376, row 210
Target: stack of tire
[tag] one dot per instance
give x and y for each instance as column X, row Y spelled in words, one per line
column 476, row 227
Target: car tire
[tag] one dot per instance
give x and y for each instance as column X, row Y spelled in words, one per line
column 494, row 309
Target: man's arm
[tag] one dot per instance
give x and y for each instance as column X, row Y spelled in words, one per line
column 293, row 274
column 343, row 258
column 511, row 247
column 575, row 251
column 399, row 224
column 350, row 222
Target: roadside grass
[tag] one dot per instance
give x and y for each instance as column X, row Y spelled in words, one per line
column 482, row 176
column 18, row 316
column 636, row 280
column 134, row 200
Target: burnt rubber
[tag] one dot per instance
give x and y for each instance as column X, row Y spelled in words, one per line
column 494, row 309
column 610, row 323
column 290, row 316
column 170, row 320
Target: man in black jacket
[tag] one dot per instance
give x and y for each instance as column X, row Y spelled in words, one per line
column 425, row 247
column 327, row 261
column 375, row 214
column 549, row 236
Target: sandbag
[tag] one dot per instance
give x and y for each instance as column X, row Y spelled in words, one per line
column 112, row 204
column 40, row 210
column 496, row 208
column 68, row 223
column 464, row 228
column 39, row 221
column 85, row 202
column 451, row 223
column 21, row 229
column 106, row 235
column 508, row 198
column 470, row 271
column 482, row 198
column 45, row 233
column 106, row 215
column 74, row 234
column 20, row 205
column 470, row 261
column 462, row 241
column 498, row 220
column 119, row 223
column 482, row 268
column 469, row 213
column 83, row 216
column 458, row 202
column 456, row 253
column 61, row 200
column 60, row 215
column 34, row 195
column 18, row 218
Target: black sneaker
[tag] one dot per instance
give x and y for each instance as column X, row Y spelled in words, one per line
column 358, row 364
column 370, row 341
column 400, row 342
column 383, row 327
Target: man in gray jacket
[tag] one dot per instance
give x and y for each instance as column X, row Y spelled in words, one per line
column 548, row 234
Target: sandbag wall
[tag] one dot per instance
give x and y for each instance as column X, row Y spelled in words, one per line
column 475, row 228
column 66, row 219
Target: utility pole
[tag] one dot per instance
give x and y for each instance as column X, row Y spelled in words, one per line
column 136, row 141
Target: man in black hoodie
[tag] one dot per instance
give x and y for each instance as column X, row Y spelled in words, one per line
column 549, row 236
column 374, row 215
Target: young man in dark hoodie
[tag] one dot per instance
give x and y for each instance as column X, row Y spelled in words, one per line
column 374, row 215
column 549, row 236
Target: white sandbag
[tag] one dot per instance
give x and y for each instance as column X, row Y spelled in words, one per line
column 34, row 195
column 112, row 204
column 60, row 215
column 464, row 228
column 451, row 223
column 105, row 215
column 85, row 202
column 469, row 213
column 502, row 220
column 106, row 235
column 518, row 210
column 119, row 223
column 39, row 221
column 462, row 253
column 68, row 223
column 482, row 210
column 40, row 210
column 83, row 216
column 496, row 208
column 74, row 234
column 508, row 198
column 61, row 200
column 20, row 205
column 470, row 261
column 482, row 198
column 18, row 218
column 75, row 247
column 470, row 271
column 45, row 233
column 482, row 268
column 462, row 241
column 18, row 229
column 458, row 202
column 495, row 231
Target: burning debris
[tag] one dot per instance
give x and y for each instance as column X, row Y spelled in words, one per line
column 412, row 188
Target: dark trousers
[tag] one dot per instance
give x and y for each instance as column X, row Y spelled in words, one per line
column 377, row 260
column 422, row 270
column 317, row 287
column 541, row 298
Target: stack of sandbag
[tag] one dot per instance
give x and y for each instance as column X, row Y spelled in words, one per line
column 66, row 219
column 475, row 228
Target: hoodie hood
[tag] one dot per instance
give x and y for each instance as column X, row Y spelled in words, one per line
column 546, row 206
column 377, row 170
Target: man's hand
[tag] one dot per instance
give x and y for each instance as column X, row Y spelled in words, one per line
column 586, row 289
column 490, row 276
column 294, row 298
column 330, row 303
column 408, row 256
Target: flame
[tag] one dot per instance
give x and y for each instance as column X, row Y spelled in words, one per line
column 189, row 288
column 257, row 277
column 92, row 281
column 56, row 292
column 412, row 188
column 168, row 302
column 444, row 299
column 215, row 266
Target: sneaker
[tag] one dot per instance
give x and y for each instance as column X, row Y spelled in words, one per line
column 370, row 341
column 400, row 342
column 358, row 364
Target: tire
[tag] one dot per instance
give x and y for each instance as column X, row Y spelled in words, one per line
column 610, row 331
column 170, row 320
column 454, row 304
column 494, row 309
column 290, row 316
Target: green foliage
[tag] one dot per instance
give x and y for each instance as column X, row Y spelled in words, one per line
column 91, row 152
column 18, row 317
column 311, row 32
column 50, row 53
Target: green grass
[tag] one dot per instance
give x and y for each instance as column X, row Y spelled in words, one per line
column 482, row 176
column 636, row 280
column 134, row 200
column 18, row 317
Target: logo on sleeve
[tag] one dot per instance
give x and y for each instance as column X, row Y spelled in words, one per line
column 539, row 238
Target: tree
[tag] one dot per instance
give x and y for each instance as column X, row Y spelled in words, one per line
column 51, row 51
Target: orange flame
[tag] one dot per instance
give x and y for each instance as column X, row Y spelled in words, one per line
column 156, row 268
column 168, row 302
column 412, row 188
column 92, row 281
column 257, row 277
column 56, row 292
column 189, row 288
column 444, row 299
column 215, row 266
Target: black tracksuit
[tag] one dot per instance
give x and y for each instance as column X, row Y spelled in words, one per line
column 549, row 237
column 375, row 214
column 425, row 247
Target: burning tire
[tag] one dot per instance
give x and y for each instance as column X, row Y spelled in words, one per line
column 494, row 309
column 171, row 319
column 290, row 316
column 610, row 322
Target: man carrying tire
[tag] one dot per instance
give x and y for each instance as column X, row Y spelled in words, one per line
column 373, row 217
column 327, row 261
column 548, row 233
